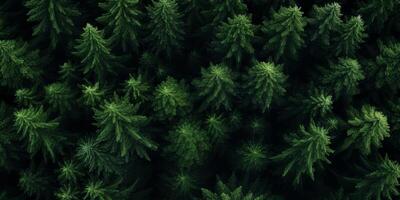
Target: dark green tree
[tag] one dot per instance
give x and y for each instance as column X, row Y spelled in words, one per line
column 137, row 88
column 352, row 34
column 69, row 172
column 121, row 21
column 25, row 96
column 221, row 10
column 59, row 96
column 326, row 22
column 52, row 17
column 284, row 32
column 182, row 184
column 33, row 183
column 224, row 192
column 67, row 192
column 388, row 65
column 92, row 94
column 217, row 128
column 377, row 12
column 253, row 156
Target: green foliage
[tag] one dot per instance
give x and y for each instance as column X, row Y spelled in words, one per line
column 97, row 190
column 166, row 27
column 121, row 21
column 265, row 82
column 234, row 38
column 308, row 149
column 253, row 156
column 92, row 95
column 52, row 17
column 388, row 64
column 314, row 104
column 367, row 129
column 59, row 96
column 224, row 9
column 216, row 87
column 119, row 124
column 136, row 88
column 171, row 98
column 223, row 192
column 69, row 172
column 66, row 192
column 7, row 137
column 326, row 22
column 377, row 12
column 217, row 128
column 25, row 96
column 33, row 183
column 284, row 32
column 182, row 184
column 343, row 78
column 67, row 72
column 188, row 144
column 352, row 34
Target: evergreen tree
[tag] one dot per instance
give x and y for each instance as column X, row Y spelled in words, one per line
column 97, row 190
column 121, row 21
column 217, row 128
column 216, row 87
column 326, row 22
column 367, row 129
column 92, row 95
column 284, row 32
column 53, row 17
column 7, row 138
column 59, row 96
column 224, row 192
column 265, row 82
column 32, row 183
column 120, row 125
column 234, row 38
column 377, row 12
column 69, row 172
column 137, row 88
column 352, row 34
column 95, row 53
column 183, row 185
column 166, row 27
column 25, row 96
column 221, row 10
column 188, row 144
column 253, row 156
column 66, row 192
column 343, row 78
column 308, row 149
column 388, row 64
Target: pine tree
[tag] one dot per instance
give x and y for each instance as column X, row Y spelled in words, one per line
column 39, row 132
column 343, row 78
column 253, row 156
column 137, row 88
column 224, row 192
column 52, row 17
column 352, row 34
column 95, row 53
column 171, row 98
column 216, row 87
column 264, row 83
column 166, row 27
column 188, row 144
column 221, row 10
column 121, row 21
column 388, row 64
column 326, row 22
column 284, row 32
column 367, row 129
column 234, row 38
column 92, row 95
column 121, row 126
column 66, row 192
column 308, row 149
column 59, row 96
column 97, row 190
column 217, row 128
column 183, row 185
column 69, row 172
column 380, row 183
column 377, row 12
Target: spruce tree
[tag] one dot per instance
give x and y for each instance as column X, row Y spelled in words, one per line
column 387, row 64
column 121, row 20
column 25, row 96
column 326, row 22
column 377, row 12
column 52, row 17
column 224, row 192
column 59, row 96
column 221, row 10
column 352, row 34
column 284, row 32
column 137, row 88
column 253, row 156
column 92, row 94
column 217, row 128
column 66, row 192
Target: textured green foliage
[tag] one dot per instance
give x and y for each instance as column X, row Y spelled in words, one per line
column 182, row 184
column 69, row 172
column 314, row 104
column 59, row 96
column 94, row 52
column 343, row 78
column 122, row 22
column 171, row 98
column 377, row 12
column 308, row 149
column 37, row 130
column 97, row 190
column 92, row 95
column 6, row 137
column 119, row 124
column 224, row 9
column 388, row 64
column 224, row 192
column 136, row 88
column 166, row 27
column 265, row 82
column 33, row 183
column 367, row 129
column 352, row 34
column 284, row 32
column 326, row 22
column 253, row 156
column 52, row 17
column 216, row 128
column 67, row 72
column 216, row 87
column 381, row 182
column 188, row 144
column 25, row 96
column 233, row 39
column 66, row 192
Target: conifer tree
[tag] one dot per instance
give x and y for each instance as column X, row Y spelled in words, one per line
column 66, row 192
column 69, row 172
column 388, row 64
column 97, row 190
column 253, row 156
column 7, row 138
column 221, row 10
column 343, row 78
column 166, row 27
column 33, row 183
column 52, row 17
column 217, row 128
column 182, row 184
column 308, row 149
column 38, row 131
column 326, row 22
column 367, row 129
column 25, row 96
column 67, row 72
column 94, row 52
column 265, row 82
column 234, row 38
column 188, row 144
column 171, row 98
column 121, row 126
column 352, row 34
column 224, row 192
column 137, row 88
column 216, row 87
column 284, row 32
column 92, row 95
column 377, row 12
column 380, row 183
column 59, row 96
column 121, row 21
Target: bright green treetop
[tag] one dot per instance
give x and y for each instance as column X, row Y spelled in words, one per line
column 92, row 94
column 352, row 34
column 59, row 96
column 67, row 192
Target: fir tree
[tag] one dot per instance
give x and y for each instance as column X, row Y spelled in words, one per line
column 97, row 190
column 95, row 53
column 137, row 88
column 66, row 192
column 352, row 34
column 377, row 12
column 221, row 10
column 92, row 95
column 69, row 172
column 253, row 156
column 182, row 184
column 122, row 22
column 53, row 17
column 119, row 125
column 284, row 32
column 308, row 149
column 59, row 96
column 388, row 64
column 67, row 72
column 25, row 96
column 216, row 87
column 265, row 82
column 224, row 192
column 234, row 38
column 367, row 129
column 217, row 128
column 166, row 27
column 326, row 22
